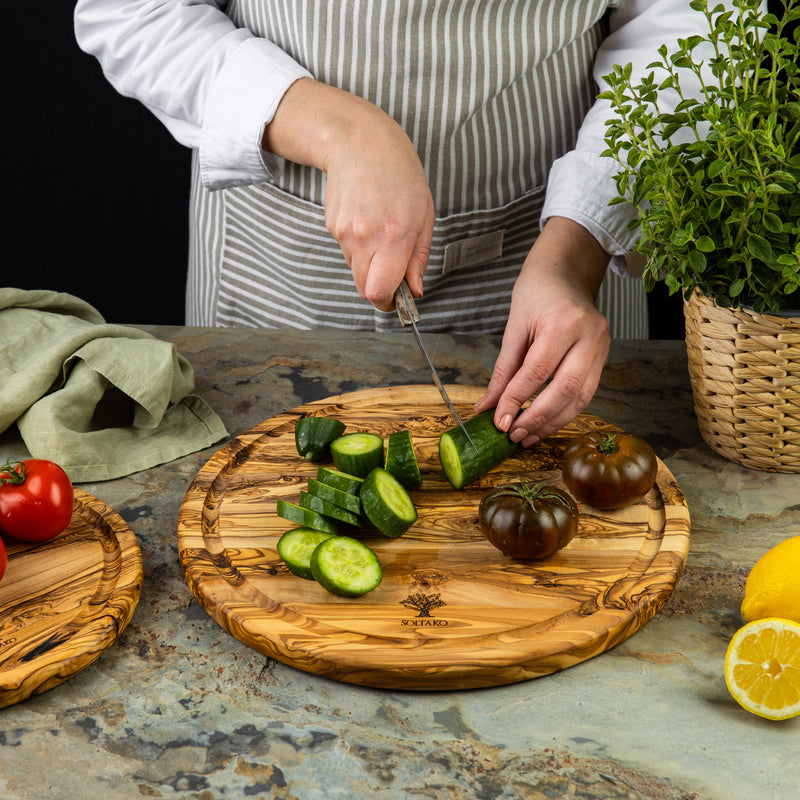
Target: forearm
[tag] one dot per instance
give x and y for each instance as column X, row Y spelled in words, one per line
column 565, row 253
column 314, row 120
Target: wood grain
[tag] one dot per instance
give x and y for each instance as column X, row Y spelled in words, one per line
column 65, row 601
column 452, row 611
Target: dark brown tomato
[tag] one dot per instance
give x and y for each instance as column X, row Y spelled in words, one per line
column 528, row 522
column 609, row 470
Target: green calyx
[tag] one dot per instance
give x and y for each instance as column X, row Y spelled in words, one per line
column 13, row 473
column 607, row 446
column 528, row 492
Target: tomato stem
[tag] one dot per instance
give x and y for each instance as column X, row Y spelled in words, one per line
column 523, row 489
column 13, row 473
column 607, row 446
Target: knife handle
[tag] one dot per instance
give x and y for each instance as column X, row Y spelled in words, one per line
column 405, row 305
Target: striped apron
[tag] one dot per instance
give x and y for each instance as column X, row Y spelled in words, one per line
column 491, row 92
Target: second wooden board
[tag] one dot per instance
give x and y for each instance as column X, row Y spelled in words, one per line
column 63, row 602
column 452, row 612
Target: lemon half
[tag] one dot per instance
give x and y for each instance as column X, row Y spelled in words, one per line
column 762, row 668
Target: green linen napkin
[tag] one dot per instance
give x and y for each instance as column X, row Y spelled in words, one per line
column 100, row 400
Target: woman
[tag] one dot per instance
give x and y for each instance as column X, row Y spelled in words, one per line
column 343, row 146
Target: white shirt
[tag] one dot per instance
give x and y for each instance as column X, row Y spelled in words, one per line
column 216, row 86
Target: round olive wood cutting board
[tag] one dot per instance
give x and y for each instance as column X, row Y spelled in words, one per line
column 452, row 612
column 64, row 601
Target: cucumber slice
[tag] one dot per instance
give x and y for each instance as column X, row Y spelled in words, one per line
column 313, row 436
column 328, row 509
column 461, row 462
column 295, row 548
column 339, row 480
column 401, row 460
column 306, row 517
column 387, row 504
column 333, row 495
column 345, row 566
column 357, row 453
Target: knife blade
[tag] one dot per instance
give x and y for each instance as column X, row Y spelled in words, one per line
column 409, row 316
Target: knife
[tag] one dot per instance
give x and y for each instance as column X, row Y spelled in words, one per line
column 409, row 315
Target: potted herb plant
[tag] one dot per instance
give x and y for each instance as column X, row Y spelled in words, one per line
column 715, row 176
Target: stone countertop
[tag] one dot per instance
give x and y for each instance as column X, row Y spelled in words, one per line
column 178, row 708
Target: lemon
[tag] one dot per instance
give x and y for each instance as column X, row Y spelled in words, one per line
column 762, row 668
column 773, row 585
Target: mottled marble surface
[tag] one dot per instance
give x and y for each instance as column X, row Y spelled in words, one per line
column 178, row 708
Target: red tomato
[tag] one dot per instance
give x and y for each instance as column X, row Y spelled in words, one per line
column 3, row 559
column 609, row 470
column 35, row 500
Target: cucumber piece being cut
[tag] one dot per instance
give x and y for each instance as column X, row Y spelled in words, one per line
column 295, row 548
column 306, row 517
column 357, row 453
column 328, row 509
column 313, row 436
column 333, row 495
column 339, row 480
column 345, row 566
column 461, row 462
column 401, row 460
column 387, row 504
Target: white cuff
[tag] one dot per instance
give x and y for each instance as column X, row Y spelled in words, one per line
column 242, row 101
column 579, row 187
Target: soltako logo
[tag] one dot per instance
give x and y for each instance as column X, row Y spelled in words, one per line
column 423, row 604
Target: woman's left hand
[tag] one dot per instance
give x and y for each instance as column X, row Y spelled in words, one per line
column 555, row 337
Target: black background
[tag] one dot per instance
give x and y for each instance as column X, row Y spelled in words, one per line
column 99, row 189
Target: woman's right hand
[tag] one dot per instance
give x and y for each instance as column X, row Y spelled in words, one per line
column 378, row 204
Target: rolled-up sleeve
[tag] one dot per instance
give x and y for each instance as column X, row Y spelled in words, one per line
column 213, row 85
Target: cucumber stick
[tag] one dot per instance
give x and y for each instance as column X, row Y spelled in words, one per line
column 462, row 463
column 357, row 453
column 295, row 548
column 345, row 566
column 401, row 460
column 328, row 509
column 387, row 504
column 339, row 480
column 333, row 495
column 313, row 436
column 306, row 517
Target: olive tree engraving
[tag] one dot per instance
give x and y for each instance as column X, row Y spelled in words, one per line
column 423, row 603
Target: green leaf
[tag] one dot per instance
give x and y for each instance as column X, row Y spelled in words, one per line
column 772, row 222
column 697, row 261
column 680, row 237
column 705, row 244
column 736, row 287
column 723, row 190
column 759, row 247
column 717, row 168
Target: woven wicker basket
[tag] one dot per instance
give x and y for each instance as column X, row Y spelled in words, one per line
column 745, row 373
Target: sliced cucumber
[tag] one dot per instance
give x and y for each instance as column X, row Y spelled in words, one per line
column 357, row 453
column 387, row 504
column 461, row 462
column 401, row 460
column 313, row 436
column 339, row 480
column 296, row 546
column 328, row 509
column 333, row 495
column 345, row 566
column 306, row 517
